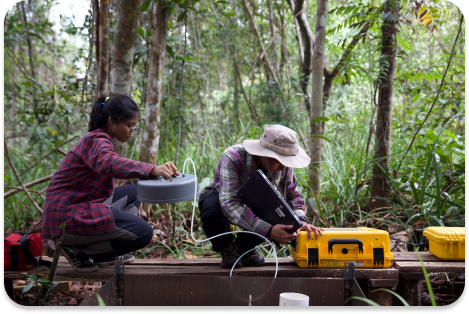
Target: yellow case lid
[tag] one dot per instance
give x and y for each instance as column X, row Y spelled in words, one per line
column 443, row 234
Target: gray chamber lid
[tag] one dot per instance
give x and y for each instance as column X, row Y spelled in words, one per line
column 163, row 191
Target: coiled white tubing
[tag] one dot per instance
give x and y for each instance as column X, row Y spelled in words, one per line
column 232, row 232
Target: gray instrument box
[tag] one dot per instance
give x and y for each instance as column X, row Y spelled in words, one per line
column 163, row 191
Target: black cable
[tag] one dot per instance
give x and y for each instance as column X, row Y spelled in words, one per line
column 404, row 242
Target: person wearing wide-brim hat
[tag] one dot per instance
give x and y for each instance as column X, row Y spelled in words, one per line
column 275, row 153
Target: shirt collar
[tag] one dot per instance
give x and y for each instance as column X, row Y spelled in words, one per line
column 251, row 165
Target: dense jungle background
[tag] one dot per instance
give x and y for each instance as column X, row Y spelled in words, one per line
column 375, row 89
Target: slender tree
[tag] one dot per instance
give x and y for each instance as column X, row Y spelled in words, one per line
column 380, row 187
column 151, row 134
column 305, row 44
column 317, row 95
column 103, row 48
column 123, row 52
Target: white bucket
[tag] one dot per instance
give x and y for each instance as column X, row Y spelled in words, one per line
column 293, row 299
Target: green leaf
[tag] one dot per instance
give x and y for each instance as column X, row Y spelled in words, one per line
column 181, row 16
column 100, row 300
column 362, row 299
column 141, row 31
column 170, row 51
column 322, row 137
column 28, row 287
column 229, row 14
column 427, row 281
column 395, row 294
column 317, row 119
column 145, row 5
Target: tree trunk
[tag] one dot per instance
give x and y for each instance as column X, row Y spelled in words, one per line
column 254, row 115
column 103, row 50
column 266, row 59
column 305, row 43
column 151, row 134
column 236, row 100
column 283, row 50
column 272, row 36
column 30, row 54
column 317, row 95
column 380, row 188
column 329, row 75
column 123, row 52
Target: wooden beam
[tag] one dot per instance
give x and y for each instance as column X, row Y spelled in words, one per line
column 431, row 267
column 412, row 256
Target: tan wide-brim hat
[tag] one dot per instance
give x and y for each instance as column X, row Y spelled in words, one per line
column 281, row 143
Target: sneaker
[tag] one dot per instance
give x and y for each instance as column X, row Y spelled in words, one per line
column 121, row 259
column 252, row 258
column 80, row 262
column 229, row 256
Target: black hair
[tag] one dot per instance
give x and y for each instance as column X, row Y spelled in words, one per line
column 120, row 108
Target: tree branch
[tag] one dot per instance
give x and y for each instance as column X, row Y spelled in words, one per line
column 18, row 177
column 265, row 58
column 27, row 185
column 54, row 150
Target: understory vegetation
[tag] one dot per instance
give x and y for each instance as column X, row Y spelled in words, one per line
column 50, row 85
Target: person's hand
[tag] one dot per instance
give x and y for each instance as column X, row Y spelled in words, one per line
column 167, row 170
column 310, row 228
column 279, row 233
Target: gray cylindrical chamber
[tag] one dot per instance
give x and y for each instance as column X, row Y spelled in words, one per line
column 163, row 191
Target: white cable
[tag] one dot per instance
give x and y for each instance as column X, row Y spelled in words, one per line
column 232, row 232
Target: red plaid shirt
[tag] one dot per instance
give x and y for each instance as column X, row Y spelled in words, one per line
column 84, row 180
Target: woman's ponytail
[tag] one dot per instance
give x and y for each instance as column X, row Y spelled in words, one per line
column 120, row 108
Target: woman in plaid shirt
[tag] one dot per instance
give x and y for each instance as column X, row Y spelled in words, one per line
column 101, row 221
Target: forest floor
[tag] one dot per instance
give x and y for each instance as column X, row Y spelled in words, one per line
column 447, row 287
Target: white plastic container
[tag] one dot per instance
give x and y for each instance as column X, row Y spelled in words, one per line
column 293, row 299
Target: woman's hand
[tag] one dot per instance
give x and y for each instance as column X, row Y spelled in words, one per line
column 167, row 170
column 280, row 234
column 310, row 228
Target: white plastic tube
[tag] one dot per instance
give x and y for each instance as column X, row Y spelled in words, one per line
column 219, row 235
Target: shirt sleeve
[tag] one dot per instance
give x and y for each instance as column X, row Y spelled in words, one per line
column 234, row 210
column 294, row 197
column 101, row 157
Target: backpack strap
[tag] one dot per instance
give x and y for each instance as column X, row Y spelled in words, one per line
column 30, row 257
column 14, row 257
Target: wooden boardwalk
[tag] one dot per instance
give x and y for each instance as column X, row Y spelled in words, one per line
column 405, row 274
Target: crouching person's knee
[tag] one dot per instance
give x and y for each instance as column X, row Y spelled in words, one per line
column 145, row 236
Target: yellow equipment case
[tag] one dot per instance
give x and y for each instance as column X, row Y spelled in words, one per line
column 446, row 243
column 364, row 247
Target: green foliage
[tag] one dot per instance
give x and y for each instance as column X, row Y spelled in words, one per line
column 35, row 281
column 45, row 111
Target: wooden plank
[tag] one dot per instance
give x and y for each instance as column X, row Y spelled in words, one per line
column 65, row 272
column 191, row 262
column 412, row 256
column 411, row 291
column 398, row 256
column 383, row 283
column 164, row 290
column 431, row 267
column 383, row 298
